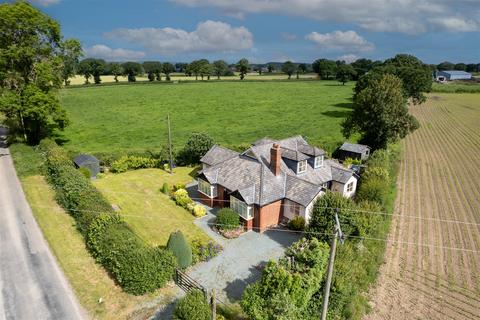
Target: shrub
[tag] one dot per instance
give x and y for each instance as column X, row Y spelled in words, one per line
column 349, row 161
column 193, row 306
column 204, row 252
column 227, row 219
column 297, row 223
column 126, row 163
column 377, row 173
column 165, row 188
column 373, row 190
column 196, row 146
column 86, row 172
column 181, row 198
column 199, row 210
column 178, row 245
column 178, row 186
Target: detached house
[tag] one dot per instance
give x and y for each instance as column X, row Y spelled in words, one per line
column 272, row 181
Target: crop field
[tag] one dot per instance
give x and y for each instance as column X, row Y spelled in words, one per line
column 133, row 117
column 432, row 263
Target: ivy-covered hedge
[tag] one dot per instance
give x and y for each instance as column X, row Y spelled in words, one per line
column 137, row 267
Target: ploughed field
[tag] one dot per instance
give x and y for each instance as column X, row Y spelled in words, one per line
column 432, row 263
column 133, row 117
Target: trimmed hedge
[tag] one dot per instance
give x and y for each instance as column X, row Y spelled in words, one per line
column 137, row 267
column 127, row 163
column 227, row 219
column 193, row 306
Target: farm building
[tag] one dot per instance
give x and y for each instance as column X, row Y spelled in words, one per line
column 354, row 151
column 89, row 162
column 452, row 75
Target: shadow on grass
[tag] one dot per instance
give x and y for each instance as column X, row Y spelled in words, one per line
column 344, row 105
column 336, row 114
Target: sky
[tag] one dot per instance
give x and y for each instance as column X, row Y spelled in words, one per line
column 271, row 30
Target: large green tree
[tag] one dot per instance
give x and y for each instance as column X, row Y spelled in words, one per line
column 380, row 112
column 131, row 70
column 168, row 69
column 220, row 67
column 446, row 65
column 153, row 69
column 92, row 67
column 289, row 68
column 345, row 72
column 71, row 52
column 115, row 69
column 326, row 69
column 242, row 67
column 30, row 71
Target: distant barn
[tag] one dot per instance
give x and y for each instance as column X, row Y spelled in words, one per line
column 354, row 151
column 452, row 75
column 89, row 162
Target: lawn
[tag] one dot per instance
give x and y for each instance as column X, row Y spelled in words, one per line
column 150, row 213
column 88, row 279
column 132, row 117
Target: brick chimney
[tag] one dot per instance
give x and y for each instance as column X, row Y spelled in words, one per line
column 275, row 159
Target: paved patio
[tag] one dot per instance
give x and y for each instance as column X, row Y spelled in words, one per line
column 241, row 260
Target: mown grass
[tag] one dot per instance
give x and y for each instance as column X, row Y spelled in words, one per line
column 150, row 213
column 94, row 288
column 132, row 117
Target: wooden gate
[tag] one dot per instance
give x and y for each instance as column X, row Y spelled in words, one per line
column 188, row 284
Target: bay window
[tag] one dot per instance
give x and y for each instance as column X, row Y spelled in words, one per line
column 244, row 210
column 207, row 189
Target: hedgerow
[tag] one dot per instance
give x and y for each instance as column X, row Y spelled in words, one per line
column 137, row 267
column 127, row 163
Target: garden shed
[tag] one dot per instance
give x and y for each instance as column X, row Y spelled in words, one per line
column 89, row 162
column 354, row 151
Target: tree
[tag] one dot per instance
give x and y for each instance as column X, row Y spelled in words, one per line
column 220, row 67
column 206, row 69
column 85, row 69
column 345, row 72
column 460, row 66
column 362, row 66
column 71, row 51
column 446, row 65
column 92, row 67
column 193, row 306
column 289, row 68
column 30, row 71
column 197, row 67
column 131, row 70
column 472, row 67
column 196, row 146
column 180, row 66
column 153, row 69
column 325, row 68
column 270, row 68
column 168, row 68
column 178, row 245
column 380, row 113
column 115, row 70
column 302, row 68
column 242, row 67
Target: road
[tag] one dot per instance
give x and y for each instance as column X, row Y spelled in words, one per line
column 32, row 286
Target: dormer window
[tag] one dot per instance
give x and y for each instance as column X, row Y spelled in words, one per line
column 302, row 166
column 318, row 162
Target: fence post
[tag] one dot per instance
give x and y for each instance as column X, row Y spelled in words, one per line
column 214, row 305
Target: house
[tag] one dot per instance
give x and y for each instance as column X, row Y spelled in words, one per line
column 89, row 162
column 451, row 75
column 272, row 181
column 354, row 151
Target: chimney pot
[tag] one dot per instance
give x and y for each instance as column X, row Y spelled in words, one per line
column 275, row 159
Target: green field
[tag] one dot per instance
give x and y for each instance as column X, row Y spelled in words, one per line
column 456, row 87
column 132, row 117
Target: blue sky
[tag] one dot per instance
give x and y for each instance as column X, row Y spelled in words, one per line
column 271, row 30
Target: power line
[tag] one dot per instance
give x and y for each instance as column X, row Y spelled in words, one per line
column 290, row 205
column 283, row 230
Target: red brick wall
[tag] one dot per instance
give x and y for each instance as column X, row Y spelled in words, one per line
column 269, row 215
column 206, row 200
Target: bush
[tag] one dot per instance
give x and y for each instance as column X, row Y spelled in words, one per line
column 377, row 173
column 204, row 252
column 196, row 146
column 165, row 188
column 350, row 161
column 297, row 223
column 178, row 245
column 86, row 172
column 181, row 198
column 126, row 163
column 199, row 211
column 373, row 189
column 179, row 186
column 193, row 306
column 227, row 219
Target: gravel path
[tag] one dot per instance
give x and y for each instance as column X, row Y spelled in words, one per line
column 32, row 286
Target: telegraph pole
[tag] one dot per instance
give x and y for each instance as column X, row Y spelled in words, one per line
column 337, row 233
column 170, row 144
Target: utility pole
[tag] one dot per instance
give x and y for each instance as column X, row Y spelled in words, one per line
column 337, row 233
column 170, row 144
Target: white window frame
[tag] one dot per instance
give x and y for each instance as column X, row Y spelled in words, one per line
column 317, row 160
column 350, row 187
column 206, row 188
column 245, row 211
column 303, row 164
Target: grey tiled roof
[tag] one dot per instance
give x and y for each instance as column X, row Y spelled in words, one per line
column 82, row 159
column 218, row 154
column 249, row 174
column 354, row 147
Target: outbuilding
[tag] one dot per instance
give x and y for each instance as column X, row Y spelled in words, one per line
column 450, row 75
column 354, row 151
column 89, row 162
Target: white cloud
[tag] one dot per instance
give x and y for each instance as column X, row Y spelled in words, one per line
column 209, row 36
column 348, row 58
column 288, row 36
column 104, row 52
column 340, row 41
column 406, row 16
column 45, row 3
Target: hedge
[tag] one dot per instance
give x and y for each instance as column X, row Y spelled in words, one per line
column 227, row 219
column 193, row 306
column 127, row 163
column 135, row 266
